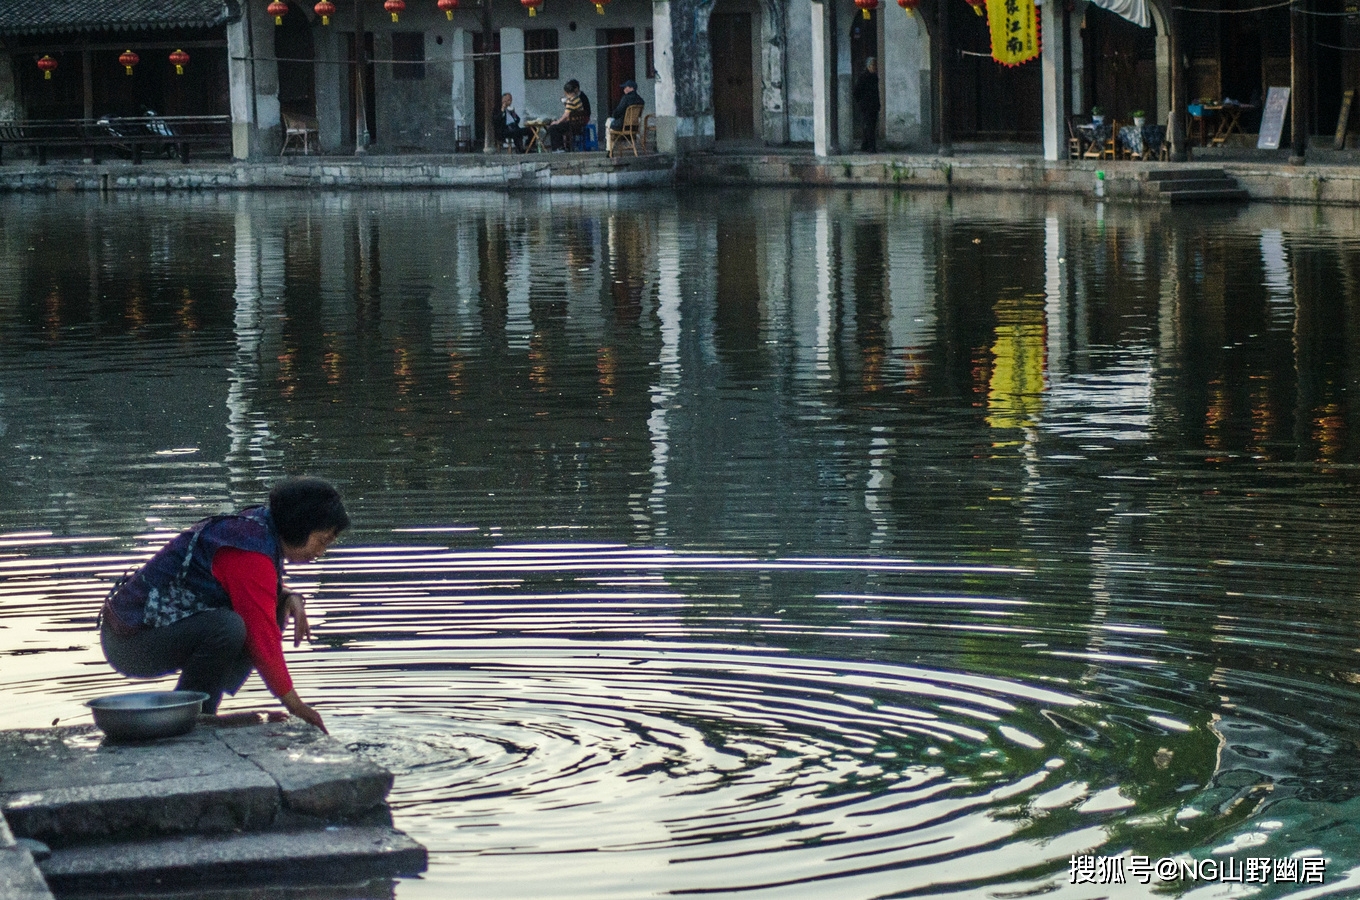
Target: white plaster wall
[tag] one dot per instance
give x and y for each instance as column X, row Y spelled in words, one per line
column 904, row 59
column 798, row 74
column 577, row 56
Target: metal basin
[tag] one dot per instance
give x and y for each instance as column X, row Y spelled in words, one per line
column 147, row 715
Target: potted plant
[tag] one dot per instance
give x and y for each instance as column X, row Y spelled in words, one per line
column 1139, row 118
column 1097, row 115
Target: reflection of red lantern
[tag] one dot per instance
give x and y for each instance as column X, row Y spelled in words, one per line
column 180, row 59
column 866, row 6
column 48, row 66
column 278, row 9
column 978, row 5
column 448, row 6
column 909, row 5
column 599, row 6
column 531, row 5
column 325, row 9
column 128, row 59
column 394, row 7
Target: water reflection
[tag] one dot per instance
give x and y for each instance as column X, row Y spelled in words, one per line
column 767, row 542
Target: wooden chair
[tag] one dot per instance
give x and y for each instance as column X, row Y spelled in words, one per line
column 627, row 130
column 648, row 132
column 297, row 126
column 1074, row 142
column 1110, row 149
column 462, row 139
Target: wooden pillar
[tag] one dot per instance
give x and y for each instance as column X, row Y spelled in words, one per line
column 87, row 81
column 943, row 55
column 1299, row 99
column 361, row 135
column 1180, row 150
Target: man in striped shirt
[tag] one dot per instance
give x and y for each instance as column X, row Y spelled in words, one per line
column 575, row 115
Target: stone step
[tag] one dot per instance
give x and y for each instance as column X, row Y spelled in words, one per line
column 1190, row 174
column 1198, row 184
column 336, row 853
column 66, row 786
column 19, row 876
column 1224, row 195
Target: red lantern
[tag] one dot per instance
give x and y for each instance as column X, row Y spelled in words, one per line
column 448, row 6
column 865, row 6
column 48, row 66
column 978, row 5
column 394, row 7
column 531, row 5
column 278, row 9
column 180, row 59
column 599, row 6
column 128, row 59
column 325, row 9
column 909, row 5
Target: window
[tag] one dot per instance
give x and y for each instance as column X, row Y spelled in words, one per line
column 540, row 54
column 651, row 55
column 408, row 55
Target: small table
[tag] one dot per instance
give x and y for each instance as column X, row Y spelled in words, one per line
column 538, row 129
column 1229, row 120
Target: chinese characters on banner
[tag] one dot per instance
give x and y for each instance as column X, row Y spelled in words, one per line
column 1015, row 30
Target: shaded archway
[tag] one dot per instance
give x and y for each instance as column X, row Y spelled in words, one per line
column 297, row 68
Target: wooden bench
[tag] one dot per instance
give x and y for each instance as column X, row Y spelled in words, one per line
column 132, row 135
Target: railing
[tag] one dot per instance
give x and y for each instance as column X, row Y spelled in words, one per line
column 129, row 135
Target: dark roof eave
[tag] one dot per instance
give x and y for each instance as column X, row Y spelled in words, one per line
column 230, row 12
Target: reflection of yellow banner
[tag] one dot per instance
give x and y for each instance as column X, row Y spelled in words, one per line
column 1015, row 30
column 1015, row 391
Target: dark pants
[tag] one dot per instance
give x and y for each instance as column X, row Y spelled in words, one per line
column 563, row 134
column 869, row 119
column 208, row 650
column 517, row 135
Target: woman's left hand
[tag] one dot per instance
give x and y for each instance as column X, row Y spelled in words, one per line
column 295, row 608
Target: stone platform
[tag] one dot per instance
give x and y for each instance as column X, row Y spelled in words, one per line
column 263, row 804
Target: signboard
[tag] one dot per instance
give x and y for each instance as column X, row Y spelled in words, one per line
column 1272, row 119
column 1343, row 121
column 1014, row 25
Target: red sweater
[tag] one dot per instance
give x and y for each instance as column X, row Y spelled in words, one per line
column 252, row 583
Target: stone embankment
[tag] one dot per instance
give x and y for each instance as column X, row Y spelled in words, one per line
column 264, row 805
column 1265, row 179
column 530, row 172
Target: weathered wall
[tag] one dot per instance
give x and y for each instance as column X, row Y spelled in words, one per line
column 9, row 97
column 684, row 101
column 254, row 81
column 798, row 56
column 413, row 113
column 904, row 61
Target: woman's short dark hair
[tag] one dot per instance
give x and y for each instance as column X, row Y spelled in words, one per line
column 303, row 505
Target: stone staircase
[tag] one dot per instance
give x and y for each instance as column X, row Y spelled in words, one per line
column 265, row 807
column 1196, row 186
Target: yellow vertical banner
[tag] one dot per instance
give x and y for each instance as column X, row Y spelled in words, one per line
column 1015, row 30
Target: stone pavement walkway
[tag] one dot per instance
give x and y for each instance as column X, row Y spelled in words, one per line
column 265, row 804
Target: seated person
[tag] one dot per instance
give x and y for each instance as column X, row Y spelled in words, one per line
column 508, row 127
column 575, row 116
column 630, row 98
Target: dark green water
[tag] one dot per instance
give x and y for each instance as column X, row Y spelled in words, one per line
column 744, row 544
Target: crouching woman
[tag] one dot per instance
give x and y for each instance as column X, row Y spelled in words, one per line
column 211, row 604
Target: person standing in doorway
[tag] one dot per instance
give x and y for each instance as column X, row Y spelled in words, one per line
column 866, row 105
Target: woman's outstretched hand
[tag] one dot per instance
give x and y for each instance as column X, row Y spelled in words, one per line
column 294, row 704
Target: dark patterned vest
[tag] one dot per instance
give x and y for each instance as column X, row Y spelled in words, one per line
column 178, row 582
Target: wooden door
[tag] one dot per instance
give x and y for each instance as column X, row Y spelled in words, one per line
column 620, row 65
column 486, row 74
column 989, row 101
column 729, row 37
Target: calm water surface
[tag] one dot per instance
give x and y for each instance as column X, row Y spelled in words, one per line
column 749, row 544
